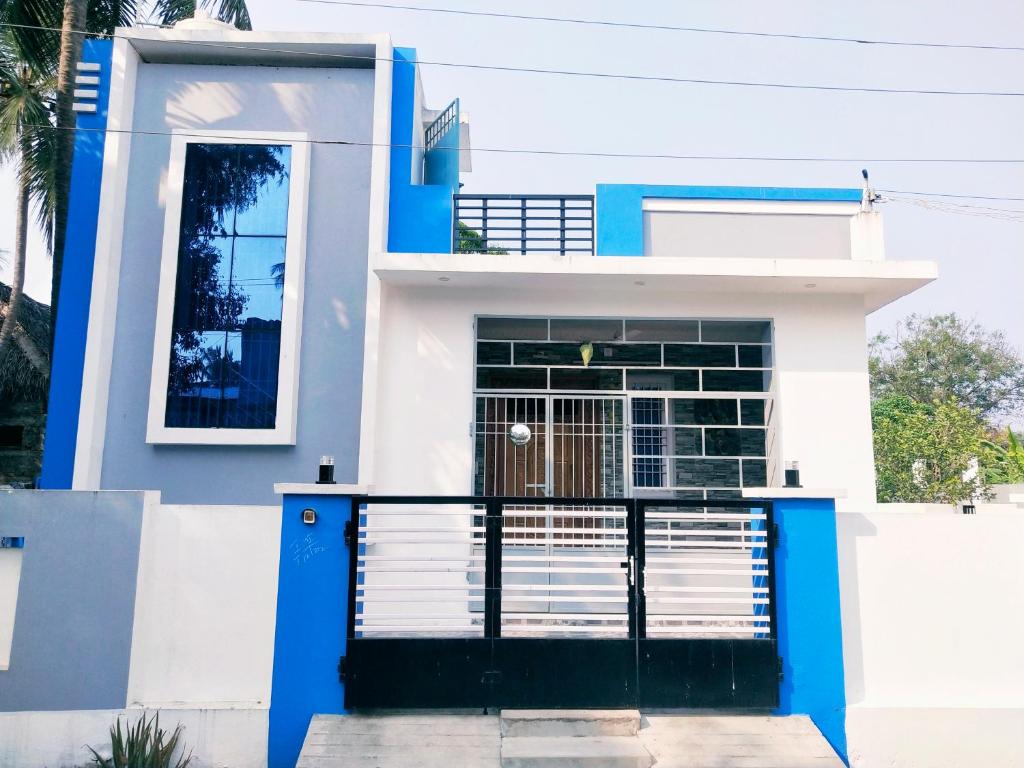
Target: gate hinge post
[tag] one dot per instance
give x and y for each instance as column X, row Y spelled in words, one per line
column 342, row 668
column 349, row 534
column 782, row 674
column 775, row 535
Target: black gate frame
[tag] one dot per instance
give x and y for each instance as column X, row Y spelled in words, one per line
column 560, row 673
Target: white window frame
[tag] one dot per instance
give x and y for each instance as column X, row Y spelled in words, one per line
column 284, row 429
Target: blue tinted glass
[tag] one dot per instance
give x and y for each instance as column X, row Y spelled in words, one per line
column 226, row 336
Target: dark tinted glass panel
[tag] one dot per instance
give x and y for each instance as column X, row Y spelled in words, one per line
column 700, row 355
column 685, row 411
column 626, row 354
column 661, row 381
column 706, row 473
column 686, row 442
column 493, row 353
column 226, row 329
column 736, row 381
column 752, row 412
column 722, row 442
column 582, row 329
column 585, row 378
column 755, row 356
column 758, row 331
column 511, row 378
column 511, row 328
column 530, row 353
column 755, row 472
column 662, row 330
column 734, row 442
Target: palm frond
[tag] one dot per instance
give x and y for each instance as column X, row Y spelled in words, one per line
column 104, row 16
column 230, row 11
column 32, row 24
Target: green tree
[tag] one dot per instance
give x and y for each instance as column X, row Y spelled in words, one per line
column 945, row 356
column 33, row 24
column 26, row 97
column 1003, row 459
column 927, row 453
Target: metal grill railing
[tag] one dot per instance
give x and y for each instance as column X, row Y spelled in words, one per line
column 442, row 123
column 508, row 566
column 524, row 224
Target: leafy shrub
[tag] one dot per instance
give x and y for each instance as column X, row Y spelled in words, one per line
column 143, row 745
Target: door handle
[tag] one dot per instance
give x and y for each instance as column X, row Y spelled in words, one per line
column 628, row 565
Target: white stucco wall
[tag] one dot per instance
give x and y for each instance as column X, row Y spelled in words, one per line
column 228, row 738
column 932, row 626
column 425, row 391
column 205, row 607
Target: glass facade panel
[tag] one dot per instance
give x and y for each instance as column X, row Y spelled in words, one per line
column 493, row 353
column 663, row 380
column 756, row 331
column 228, row 300
column 583, row 379
column 662, row 330
column 752, row 412
column 686, row 446
column 586, row 329
column 511, row 328
column 511, row 378
column 701, row 355
column 735, row 381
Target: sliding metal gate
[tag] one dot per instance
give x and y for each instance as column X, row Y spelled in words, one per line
column 560, row 603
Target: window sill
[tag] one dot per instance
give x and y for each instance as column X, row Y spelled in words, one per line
column 199, row 436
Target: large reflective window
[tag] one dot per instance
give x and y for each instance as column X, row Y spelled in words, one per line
column 226, row 332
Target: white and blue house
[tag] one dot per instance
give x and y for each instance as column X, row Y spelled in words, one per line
column 558, row 425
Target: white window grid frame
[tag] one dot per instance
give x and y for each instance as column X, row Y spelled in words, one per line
column 286, row 418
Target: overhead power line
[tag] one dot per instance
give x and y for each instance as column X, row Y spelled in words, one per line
column 669, row 27
column 948, row 194
column 577, row 73
column 564, row 153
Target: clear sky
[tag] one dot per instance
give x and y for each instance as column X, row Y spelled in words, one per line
column 981, row 256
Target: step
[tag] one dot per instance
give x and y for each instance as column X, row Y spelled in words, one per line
column 401, row 741
column 570, row 722
column 740, row 741
column 574, row 752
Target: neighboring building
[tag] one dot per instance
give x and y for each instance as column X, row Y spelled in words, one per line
column 271, row 262
column 23, row 397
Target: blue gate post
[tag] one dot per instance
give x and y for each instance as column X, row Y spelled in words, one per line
column 312, row 621
column 810, row 629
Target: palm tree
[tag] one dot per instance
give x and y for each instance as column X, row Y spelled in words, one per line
column 34, row 24
column 26, row 97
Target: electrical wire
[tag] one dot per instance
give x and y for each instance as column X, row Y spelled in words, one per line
column 573, row 72
column 668, row 27
column 556, row 152
column 949, row 194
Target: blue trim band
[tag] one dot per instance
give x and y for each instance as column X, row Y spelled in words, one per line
column 807, row 606
column 72, row 324
column 312, row 619
column 620, row 219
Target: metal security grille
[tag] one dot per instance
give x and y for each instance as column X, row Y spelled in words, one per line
column 455, row 602
column 705, row 571
column 524, row 224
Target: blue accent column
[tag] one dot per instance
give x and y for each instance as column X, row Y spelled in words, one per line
column 419, row 215
column 312, row 616
column 76, row 279
column 810, row 629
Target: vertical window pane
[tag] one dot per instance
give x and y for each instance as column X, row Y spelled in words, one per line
column 226, row 331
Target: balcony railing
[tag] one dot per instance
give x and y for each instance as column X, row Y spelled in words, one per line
column 524, row 224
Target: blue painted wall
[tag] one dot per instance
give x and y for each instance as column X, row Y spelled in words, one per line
column 441, row 162
column 620, row 219
column 419, row 215
column 75, row 614
column 312, row 615
column 810, row 629
column 76, row 280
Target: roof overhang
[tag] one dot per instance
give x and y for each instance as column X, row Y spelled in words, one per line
column 879, row 282
column 235, row 47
